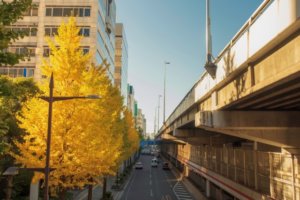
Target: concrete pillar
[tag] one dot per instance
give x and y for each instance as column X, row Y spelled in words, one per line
column 219, row 194
column 234, row 163
column 34, row 191
column 293, row 174
column 207, row 188
column 255, row 165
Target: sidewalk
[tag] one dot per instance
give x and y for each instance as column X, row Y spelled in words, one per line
column 97, row 191
column 192, row 189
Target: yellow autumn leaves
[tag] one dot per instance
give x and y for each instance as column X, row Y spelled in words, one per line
column 90, row 138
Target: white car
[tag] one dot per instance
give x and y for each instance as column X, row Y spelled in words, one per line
column 154, row 162
column 139, row 165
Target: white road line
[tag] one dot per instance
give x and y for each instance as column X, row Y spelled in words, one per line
column 151, row 193
column 130, row 184
column 150, row 182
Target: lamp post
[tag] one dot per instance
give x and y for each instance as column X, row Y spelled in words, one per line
column 50, row 100
column 166, row 63
column 159, row 96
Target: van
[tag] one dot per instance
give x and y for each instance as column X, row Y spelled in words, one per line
column 154, row 162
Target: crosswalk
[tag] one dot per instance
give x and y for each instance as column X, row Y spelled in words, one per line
column 181, row 192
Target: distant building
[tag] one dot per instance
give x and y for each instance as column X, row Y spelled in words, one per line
column 130, row 98
column 121, row 61
column 95, row 18
column 141, row 122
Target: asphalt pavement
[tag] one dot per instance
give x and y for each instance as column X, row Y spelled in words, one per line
column 154, row 184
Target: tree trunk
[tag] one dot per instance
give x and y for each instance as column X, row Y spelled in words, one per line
column 62, row 194
column 90, row 194
column 104, row 188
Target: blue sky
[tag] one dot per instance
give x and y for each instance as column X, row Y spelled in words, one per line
column 174, row 31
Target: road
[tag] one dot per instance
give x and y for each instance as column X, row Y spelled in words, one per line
column 154, row 184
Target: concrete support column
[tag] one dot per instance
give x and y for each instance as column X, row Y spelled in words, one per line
column 219, row 194
column 34, row 191
column 244, row 163
column 255, row 161
column 293, row 174
column 234, row 163
column 207, row 188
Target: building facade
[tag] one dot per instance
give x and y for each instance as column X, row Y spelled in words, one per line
column 141, row 122
column 95, row 18
column 121, row 61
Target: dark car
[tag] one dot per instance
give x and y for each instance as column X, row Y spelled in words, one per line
column 165, row 166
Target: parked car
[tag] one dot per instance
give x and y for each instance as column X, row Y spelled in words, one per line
column 165, row 166
column 139, row 165
column 154, row 162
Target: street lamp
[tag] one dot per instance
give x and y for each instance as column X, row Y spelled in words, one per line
column 159, row 96
column 50, row 100
column 166, row 63
column 210, row 66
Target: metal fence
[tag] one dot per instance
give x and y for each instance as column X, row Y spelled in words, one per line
column 274, row 174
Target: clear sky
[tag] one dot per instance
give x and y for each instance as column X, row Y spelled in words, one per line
column 174, row 31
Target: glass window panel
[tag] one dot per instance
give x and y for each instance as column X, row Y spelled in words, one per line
column 68, row 11
column 54, row 31
column 80, row 31
column 30, row 72
column 12, row 72
column 3, row 71
column 87, row 12
column 35, row 11
column 33, row 31
column 57, row 12
column 76, row 12
column 46, row 52
column 27, row 12
column 48, row 31
column 86, row 32
column 80, row 12
column 85, row 50
column 20, row 72
column 48, row 11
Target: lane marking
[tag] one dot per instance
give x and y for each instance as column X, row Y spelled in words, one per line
column 151, row 193
column 150, row 182
column 130, row 184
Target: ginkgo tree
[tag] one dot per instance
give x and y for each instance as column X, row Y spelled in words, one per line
column 130, row 136
column 87, row 135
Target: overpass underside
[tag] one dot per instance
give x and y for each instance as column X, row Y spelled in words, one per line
column 241, row 140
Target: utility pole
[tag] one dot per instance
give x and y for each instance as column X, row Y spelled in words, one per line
column 166, row 63
column 158, row 113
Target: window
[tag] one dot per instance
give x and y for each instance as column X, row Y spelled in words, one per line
column 48, row 31
column 80, row 12
column 31, row 11
column 33, row 31
column 17, row 71
column 46, row 52
column 51, row 31
column 85, row 31
column 48, row 11
column 87, row 12
column 85, row 50
column 26, row 51
column 68, row 11
column 57, row 12
column 34, row 11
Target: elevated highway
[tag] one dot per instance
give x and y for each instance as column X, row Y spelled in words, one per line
column 246, row 121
